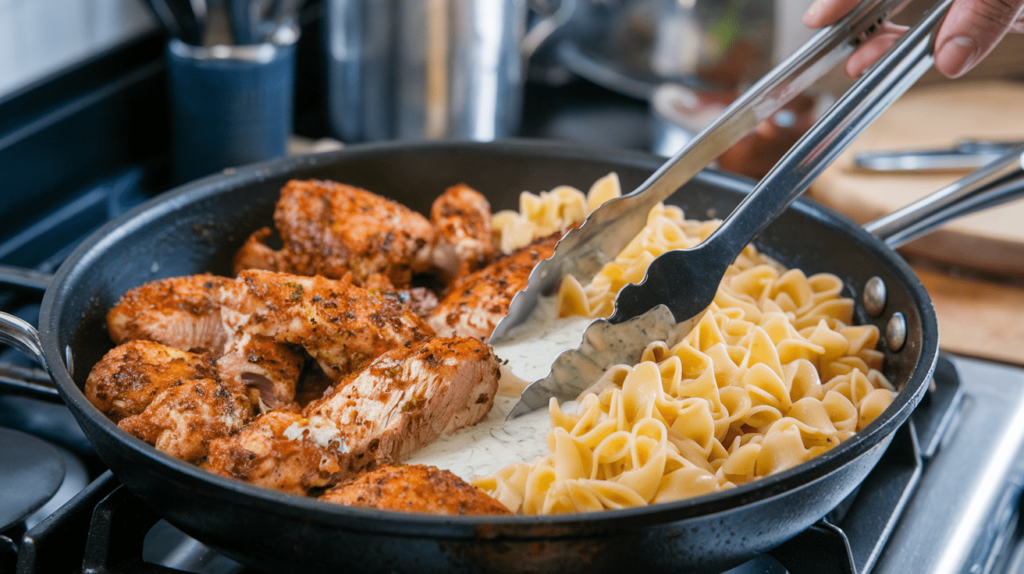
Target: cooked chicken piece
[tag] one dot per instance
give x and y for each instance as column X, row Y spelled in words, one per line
column 474, row 304
column 331, row 229
column 255, row 254
column 420, row 300
column 343, row 327
column 462, row 218
column 414, row 488
column 257, row 362
column 279, row 450
column 127, row 379
column 375, row 282
column 407, row 398
column 180, row 311
column 183, row 418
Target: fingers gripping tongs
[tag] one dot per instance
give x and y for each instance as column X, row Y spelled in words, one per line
column 686, row 280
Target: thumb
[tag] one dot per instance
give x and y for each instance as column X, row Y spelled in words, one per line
column 971, row 29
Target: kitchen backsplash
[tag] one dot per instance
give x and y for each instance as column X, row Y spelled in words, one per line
column 40, row 37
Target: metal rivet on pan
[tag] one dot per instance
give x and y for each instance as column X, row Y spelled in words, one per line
column 896, row 332
column 69, row 360
column 874, row 296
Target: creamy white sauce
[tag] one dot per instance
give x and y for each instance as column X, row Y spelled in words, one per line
column 535, row 344
column 494, row 443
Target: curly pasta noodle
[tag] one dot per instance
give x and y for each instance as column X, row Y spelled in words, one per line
column 773, row 375
column 542, row 214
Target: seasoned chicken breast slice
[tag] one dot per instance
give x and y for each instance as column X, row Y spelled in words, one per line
column 414, row 488
column 181, row 312
column 183, row 418
column 277, row 451
column 130, row 376
column 331, row 229
column 256, row 254
column 343, row 327
column 474, row 304
column 409, row 397
column 462, row 217
column 259, row 363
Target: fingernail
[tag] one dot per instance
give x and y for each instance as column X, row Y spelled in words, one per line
column 957, row 54
column 814, row 8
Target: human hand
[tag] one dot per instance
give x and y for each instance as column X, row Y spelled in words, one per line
column 970, row 31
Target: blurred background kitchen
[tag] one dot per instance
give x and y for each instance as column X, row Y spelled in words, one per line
column 107, row 103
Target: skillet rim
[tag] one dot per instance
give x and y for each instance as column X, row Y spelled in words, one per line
column 396, row 523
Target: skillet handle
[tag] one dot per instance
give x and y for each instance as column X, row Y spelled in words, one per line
column 995, row 184
column 22, row 336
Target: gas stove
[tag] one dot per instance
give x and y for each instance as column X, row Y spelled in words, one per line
column 91, row 143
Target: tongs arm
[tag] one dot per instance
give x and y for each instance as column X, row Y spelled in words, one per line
column 873, row 93
column 610, row 228
column 998, row 182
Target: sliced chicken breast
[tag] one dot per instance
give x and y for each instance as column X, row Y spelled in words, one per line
column 414, row 488
column 127, row 379
column 181, row 312
column 475, row 303
column 409, row 397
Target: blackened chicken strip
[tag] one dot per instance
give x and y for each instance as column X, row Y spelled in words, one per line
column 474, row 304
column 462, row 217
column 271, row 369
column 183, row 418
column 266, row 453
column 332, row 229
column 414, row 488
column 181, row 312
column 407, row 398
column 127, row 379
column 342, row 326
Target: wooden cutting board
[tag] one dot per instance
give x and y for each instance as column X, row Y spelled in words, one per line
column 977, row 318
column 937, row 116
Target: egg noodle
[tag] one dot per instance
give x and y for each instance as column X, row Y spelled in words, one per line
column 773, row 375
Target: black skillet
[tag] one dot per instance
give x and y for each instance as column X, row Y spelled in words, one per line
column 198, row 227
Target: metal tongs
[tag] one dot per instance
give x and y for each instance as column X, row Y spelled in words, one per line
column 965, row 155
column 606, row 344
column 583, row 251
column 686, row 280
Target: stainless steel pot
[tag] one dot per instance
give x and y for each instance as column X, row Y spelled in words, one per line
column 429, row 69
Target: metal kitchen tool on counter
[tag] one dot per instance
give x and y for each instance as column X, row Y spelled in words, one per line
column 967, row 154
column 606, row 344
column 608, row 229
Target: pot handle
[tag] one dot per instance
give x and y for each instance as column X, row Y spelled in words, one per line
column 995, row 184
column 22, row 336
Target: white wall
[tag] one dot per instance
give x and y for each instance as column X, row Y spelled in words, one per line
column 41, row 37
